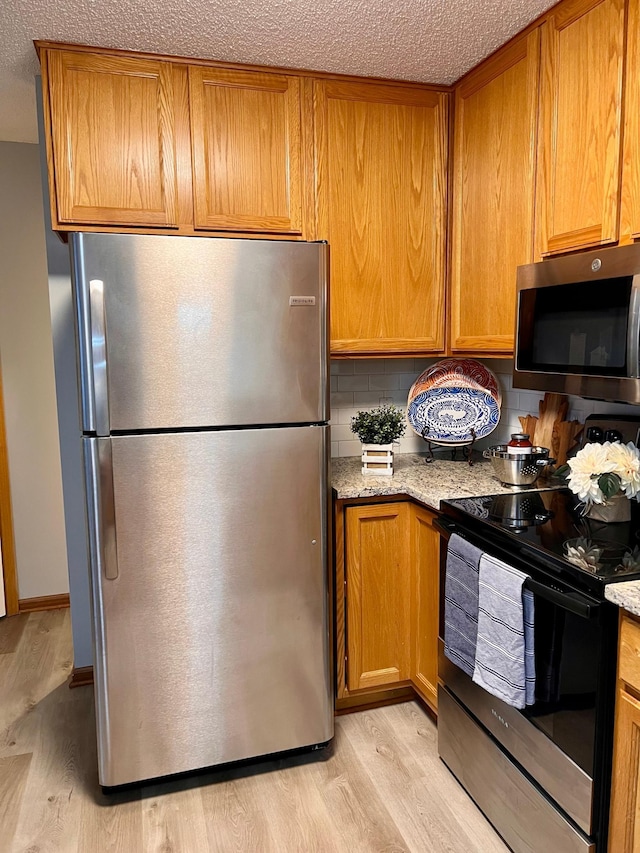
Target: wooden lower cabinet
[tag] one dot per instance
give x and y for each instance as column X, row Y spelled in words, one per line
column 624, row 827
column 624, row 833
column 425, row 572
column 387, row 565
column 378, row 596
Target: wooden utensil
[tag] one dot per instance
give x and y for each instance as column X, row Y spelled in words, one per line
column 551, row 429
column 553, row 409
column 568, row 434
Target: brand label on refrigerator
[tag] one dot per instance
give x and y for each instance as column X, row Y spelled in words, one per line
column 302, row 300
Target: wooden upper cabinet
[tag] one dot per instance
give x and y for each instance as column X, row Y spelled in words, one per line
column 245, row 130
column 630, row 202
column 112, row 136
column 580, row 137
column 381, row 184
column 493, row 193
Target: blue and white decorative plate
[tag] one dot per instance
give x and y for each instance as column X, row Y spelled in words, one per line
column 448, row 415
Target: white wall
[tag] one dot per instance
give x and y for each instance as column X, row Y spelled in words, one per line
column 28, row 378
column 363, row 384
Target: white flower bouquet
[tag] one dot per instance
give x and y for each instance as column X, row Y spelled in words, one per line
column 599, row 472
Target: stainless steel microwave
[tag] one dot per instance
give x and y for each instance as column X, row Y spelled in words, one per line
column 578, row 325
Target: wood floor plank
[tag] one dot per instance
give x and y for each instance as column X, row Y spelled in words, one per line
column 57, row 783
column 358, row 810
column 295, row 811
column 44, row 660
column 13, row 779
column 109, row 823
column 419, row 734
column 235, row 822
column 411, row 789
column 11, row 630
column 173, row 822
column 40, row 665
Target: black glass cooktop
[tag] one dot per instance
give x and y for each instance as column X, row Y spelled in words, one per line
column 553, row 525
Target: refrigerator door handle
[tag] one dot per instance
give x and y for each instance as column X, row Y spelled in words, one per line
column 93, row 343
column 102, row 519
column 83, row 310
column 99, row 357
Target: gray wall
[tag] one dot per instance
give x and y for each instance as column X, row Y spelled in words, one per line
column 64, row 351
column 63, row 328
column 26, row 353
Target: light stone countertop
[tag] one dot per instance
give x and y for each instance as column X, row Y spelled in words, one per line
column 625, row 594
column 438, row 481
column 428, row 483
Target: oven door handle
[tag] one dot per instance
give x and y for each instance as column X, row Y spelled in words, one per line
column 571, row 601
column 445, row 527
column 574, row 602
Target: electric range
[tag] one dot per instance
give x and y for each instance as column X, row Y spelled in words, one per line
column 550, row 528
column 552, row 760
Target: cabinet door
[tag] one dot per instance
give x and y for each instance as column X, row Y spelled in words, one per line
column 425, row 563
column 494, row 163
column 112, row 132
column 630, row 201
column 245, row 129
column 624, row 829
column 381, row 170
column 378, row 595
column 580, row 126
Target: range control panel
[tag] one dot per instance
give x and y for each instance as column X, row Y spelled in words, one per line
column 599, row 428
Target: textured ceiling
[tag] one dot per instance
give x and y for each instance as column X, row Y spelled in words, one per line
column 433, row 41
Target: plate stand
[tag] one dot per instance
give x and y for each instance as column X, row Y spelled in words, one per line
column 465, row 448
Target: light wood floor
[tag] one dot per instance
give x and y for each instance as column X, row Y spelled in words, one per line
column 382, row 787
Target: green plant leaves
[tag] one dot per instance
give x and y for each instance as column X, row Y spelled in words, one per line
column 609, row 484
column 382, row 425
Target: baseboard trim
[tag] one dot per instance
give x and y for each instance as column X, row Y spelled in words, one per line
column 43, row 602
column 81, row 676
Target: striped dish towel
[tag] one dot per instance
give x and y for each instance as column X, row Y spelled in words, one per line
column 505, row 663
column 461, row 603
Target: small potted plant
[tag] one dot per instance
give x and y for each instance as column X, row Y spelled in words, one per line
column 377, row 429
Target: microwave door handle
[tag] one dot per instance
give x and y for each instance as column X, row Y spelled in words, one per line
column 633, row 330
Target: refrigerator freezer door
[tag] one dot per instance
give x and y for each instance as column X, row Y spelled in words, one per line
column 212, row 640
column 200, row 332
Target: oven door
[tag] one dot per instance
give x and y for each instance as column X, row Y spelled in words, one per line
column 556, row 740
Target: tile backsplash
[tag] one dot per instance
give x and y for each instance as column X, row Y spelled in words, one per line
column 366, row 383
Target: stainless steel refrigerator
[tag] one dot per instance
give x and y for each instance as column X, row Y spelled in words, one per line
column 203, row 372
